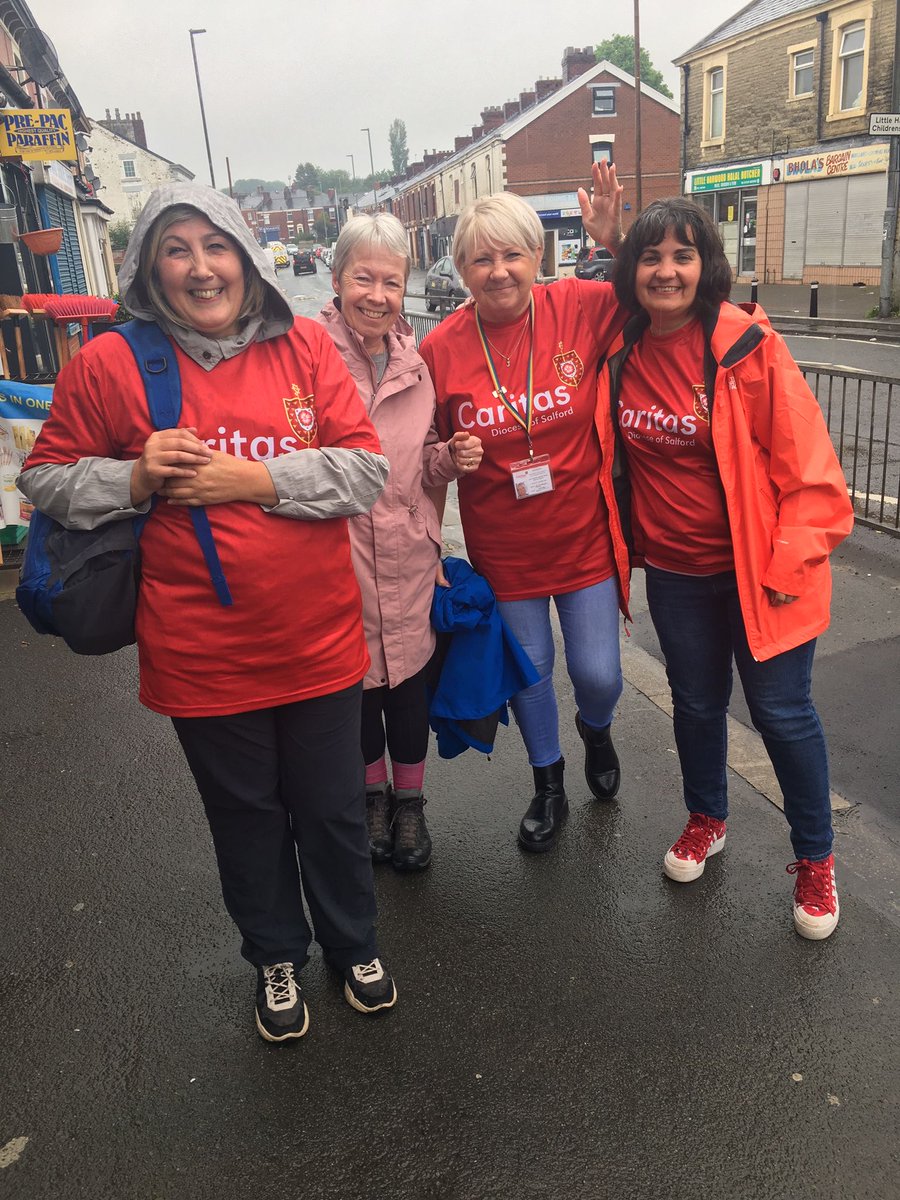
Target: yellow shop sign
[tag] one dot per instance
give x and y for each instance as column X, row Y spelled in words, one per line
column 41, row 133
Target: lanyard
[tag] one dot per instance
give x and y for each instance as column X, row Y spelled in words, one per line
column 500, row 391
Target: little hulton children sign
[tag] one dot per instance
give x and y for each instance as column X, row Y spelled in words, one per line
column 42, row 133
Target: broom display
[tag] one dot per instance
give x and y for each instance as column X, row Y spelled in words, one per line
column 83, row 309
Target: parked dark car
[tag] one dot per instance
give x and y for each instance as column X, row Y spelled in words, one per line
column 593, row 262
column 304, row 263
column 443, row 283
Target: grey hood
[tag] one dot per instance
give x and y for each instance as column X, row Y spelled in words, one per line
column 225, row 215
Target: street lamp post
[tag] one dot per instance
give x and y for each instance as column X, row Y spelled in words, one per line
column 352, row 166
column 193, row 33
column 368, row 134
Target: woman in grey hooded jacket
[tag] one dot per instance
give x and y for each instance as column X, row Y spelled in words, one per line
column 264, row 693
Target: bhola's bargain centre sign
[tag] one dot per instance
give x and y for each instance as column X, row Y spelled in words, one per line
column 857, row 160
column 40, row 133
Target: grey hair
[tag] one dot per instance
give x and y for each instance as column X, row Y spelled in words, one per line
column 499, row 220
column 147, row 283
column 365, row 232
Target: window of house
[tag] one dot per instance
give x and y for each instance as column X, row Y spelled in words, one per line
column 604, row 101
column 802, row 78
column 456, row 191
column 852, row 62
column 716, row 112
column 602, row 152
column 128, row 168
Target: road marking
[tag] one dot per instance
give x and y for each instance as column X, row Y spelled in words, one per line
column 875, row 498
column 12, row 1151
column 746, row 753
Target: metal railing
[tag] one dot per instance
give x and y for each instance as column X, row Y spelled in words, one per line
column 858, row 409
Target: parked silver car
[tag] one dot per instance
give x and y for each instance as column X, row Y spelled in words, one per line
column 442, row 284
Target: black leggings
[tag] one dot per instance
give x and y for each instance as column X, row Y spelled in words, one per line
column 403, row 712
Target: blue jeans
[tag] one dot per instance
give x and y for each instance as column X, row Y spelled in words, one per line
column 701, row 630
column 589, row 619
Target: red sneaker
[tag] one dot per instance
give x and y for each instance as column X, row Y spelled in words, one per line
column 816, row 908
column 702, row 836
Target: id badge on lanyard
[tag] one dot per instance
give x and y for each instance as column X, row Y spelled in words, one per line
column 532, row 476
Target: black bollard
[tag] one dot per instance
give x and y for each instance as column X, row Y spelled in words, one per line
column 814, row 299
column 754, row 290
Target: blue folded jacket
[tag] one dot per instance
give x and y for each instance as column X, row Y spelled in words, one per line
column 484, row 664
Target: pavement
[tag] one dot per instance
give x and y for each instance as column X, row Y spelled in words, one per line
column 571, row 1026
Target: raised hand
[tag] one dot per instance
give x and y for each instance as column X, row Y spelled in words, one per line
column 601, row 212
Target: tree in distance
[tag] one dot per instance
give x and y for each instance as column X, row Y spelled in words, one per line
column 399, row 148
column 119, row 233
column 619, row 50
column 243, row 187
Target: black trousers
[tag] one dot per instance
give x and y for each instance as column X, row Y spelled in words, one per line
column 282, row 784
column 401, row 713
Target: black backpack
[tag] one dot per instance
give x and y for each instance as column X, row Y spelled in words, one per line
column 82, row 585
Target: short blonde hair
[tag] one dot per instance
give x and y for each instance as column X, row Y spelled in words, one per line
column 366, row 232
column 499, row 220
column 146, row 280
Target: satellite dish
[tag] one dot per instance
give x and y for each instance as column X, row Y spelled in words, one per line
column 39, row 57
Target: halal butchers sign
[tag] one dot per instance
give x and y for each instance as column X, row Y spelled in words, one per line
column 41, row 133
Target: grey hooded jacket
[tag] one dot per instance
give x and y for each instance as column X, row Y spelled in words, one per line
column 310, row 484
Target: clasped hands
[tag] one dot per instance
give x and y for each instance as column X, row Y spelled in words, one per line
column 183, row 470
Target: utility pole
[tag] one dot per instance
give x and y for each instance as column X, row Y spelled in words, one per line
column 368, row 134
column 638, row 199
column 889, row 237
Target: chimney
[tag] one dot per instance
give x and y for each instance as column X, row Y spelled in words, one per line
column 544, row 88
column 108, row 117
column 576, row 62
column 511, row 108
column 460, row 143
column 491, row 118
column 138, row 134
column 526, row 99
column 118, row 118
column 477, row 132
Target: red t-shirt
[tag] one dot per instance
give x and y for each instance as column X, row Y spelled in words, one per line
column 294, row 630
column 557, row 541
column 677, row 500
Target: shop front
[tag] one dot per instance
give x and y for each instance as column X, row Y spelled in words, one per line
column 730, row 194
column 834, row 213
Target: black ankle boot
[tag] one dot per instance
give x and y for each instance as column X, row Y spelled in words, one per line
column 540, row 827
column 601, row 763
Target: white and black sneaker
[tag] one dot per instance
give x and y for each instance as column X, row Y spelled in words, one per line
column 368, row 988
column 281, row 1013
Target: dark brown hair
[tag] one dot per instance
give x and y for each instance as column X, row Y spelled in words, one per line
column 678, row 215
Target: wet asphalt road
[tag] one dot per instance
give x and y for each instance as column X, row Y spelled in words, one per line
column 570, row 1025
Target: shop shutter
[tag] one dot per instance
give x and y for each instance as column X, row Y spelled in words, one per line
column 825, row 222
column 866, row 202
column 60, row 211
column 795, row 212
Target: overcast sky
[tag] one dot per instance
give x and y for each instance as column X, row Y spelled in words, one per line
column 286, row 81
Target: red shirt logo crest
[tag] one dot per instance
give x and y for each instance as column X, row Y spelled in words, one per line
column 569, row 367
column 301, row 415
column 701, row 404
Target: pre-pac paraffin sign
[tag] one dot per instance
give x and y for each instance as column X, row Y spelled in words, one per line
column 42, row 133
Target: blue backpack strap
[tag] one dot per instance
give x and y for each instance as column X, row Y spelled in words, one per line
column 158, row 365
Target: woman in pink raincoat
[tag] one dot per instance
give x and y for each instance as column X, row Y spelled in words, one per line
column 397, row 545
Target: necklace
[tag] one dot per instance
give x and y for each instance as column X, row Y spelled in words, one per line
column 507, row 357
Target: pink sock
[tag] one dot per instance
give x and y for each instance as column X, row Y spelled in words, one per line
column 376, row 772
column 408, row 776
